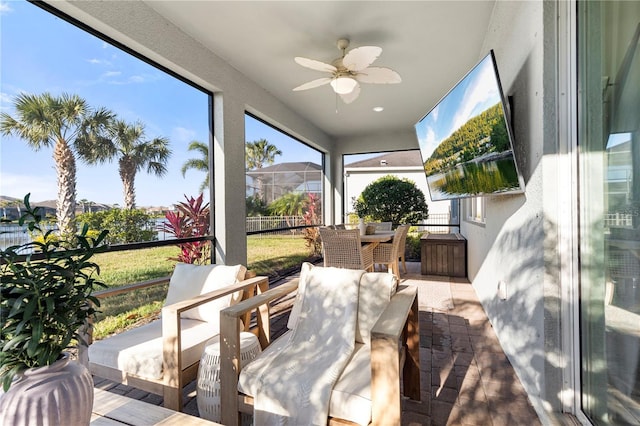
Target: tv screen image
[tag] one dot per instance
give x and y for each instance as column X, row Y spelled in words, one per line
column 466, row 141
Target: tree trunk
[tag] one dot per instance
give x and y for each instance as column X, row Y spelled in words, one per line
column 66, row 202
column 128, row 176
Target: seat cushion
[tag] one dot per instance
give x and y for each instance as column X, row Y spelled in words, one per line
column 139, row 351
column 351, row 395
column 189, row 281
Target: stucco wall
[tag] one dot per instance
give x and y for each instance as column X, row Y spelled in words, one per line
column 510, row 248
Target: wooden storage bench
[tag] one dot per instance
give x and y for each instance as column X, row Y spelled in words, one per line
column 443, row 254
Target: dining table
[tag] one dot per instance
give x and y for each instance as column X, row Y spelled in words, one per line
column 377, row 237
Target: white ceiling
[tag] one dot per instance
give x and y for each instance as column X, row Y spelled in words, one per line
column 431, row 44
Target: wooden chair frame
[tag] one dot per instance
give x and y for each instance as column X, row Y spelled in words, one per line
column 174, row 379
column 395, row 341
column 390, row 254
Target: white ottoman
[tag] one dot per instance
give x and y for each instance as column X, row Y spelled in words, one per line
column 208, row 384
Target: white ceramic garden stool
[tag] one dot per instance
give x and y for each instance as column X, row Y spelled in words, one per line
column 208, row 384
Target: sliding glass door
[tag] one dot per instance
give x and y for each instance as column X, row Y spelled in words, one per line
column 609, row 144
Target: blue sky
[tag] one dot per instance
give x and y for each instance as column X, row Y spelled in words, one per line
column 43, row 53
column 475, row 93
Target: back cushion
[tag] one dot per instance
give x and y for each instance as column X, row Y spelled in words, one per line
column 376, row 290
column 189, row 281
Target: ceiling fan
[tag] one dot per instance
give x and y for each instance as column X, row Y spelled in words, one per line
column 349, row 70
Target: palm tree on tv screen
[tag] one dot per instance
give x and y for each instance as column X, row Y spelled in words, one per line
column 200, row 164
column 63, row 122
column 128, row 143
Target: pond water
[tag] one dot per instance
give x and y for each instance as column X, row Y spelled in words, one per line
column 475, row 178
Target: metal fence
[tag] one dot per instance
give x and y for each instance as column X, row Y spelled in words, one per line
column 436, row 223
column 618, row 219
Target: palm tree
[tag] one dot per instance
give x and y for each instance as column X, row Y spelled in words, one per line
column 257, row 153
column 200, row 164
column 127, row 143
column 63, row 122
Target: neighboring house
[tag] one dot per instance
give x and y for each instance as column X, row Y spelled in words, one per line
column 403, row 164
column 272, row 182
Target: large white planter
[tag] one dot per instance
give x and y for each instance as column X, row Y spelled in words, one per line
column 58, row 394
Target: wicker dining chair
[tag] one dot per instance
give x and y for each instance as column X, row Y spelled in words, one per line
column 342, row 248
column 382, row 226
column 388, row 254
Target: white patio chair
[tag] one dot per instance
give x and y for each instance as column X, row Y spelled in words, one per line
column 163, row 356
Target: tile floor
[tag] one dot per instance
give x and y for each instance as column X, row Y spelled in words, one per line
column 466, row 379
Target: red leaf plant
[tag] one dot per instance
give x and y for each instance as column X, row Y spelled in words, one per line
column 190, row 220
column 311, row 235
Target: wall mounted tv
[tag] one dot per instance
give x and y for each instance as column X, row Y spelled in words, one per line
column 466, row 140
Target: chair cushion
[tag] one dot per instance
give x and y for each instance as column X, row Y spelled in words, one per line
column 351, row 394
column 375, row 292
column 189, row 281
column 139, row 351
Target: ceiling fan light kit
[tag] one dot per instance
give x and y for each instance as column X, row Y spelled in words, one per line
column 349, row 70
column 343, row 85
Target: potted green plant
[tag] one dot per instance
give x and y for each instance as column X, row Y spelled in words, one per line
column 46, row 289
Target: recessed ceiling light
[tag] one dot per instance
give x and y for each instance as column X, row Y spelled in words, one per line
column 378, row 109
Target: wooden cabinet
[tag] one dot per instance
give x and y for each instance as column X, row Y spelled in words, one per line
column 443, row 254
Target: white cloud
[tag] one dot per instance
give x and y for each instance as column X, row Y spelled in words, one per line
column 477, row 94
column 96, row 61
column 111, row 74
column 181, row 135
column 5, row 8
column 41, row 187
column 6, row 100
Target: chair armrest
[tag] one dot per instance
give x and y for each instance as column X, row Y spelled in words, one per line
column 114, row 291
column 230, row 346
column 171, row 333
column 391, row 322
column 396, row 329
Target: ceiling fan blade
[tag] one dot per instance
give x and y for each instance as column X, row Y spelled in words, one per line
column 350, row 97
column 361, row 57
column 378, row 75
column 313, row 83
column 314, row 65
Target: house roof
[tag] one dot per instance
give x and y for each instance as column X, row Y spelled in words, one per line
column 299, row 166
column 393, row 159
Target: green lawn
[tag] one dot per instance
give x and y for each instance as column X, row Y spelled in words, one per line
column 266, row 256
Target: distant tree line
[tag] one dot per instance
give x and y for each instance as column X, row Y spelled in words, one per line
column 480, row 135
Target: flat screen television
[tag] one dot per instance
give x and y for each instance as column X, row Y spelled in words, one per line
column 466, row 141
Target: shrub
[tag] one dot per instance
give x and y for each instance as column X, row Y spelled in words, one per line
column 191, row 220
column 391, row 199
column 124, row 226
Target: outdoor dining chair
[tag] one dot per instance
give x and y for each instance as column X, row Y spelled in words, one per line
column 382, row 226
column 389, row 254
column 342, row 248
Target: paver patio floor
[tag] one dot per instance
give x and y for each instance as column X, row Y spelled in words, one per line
column 466, row 379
